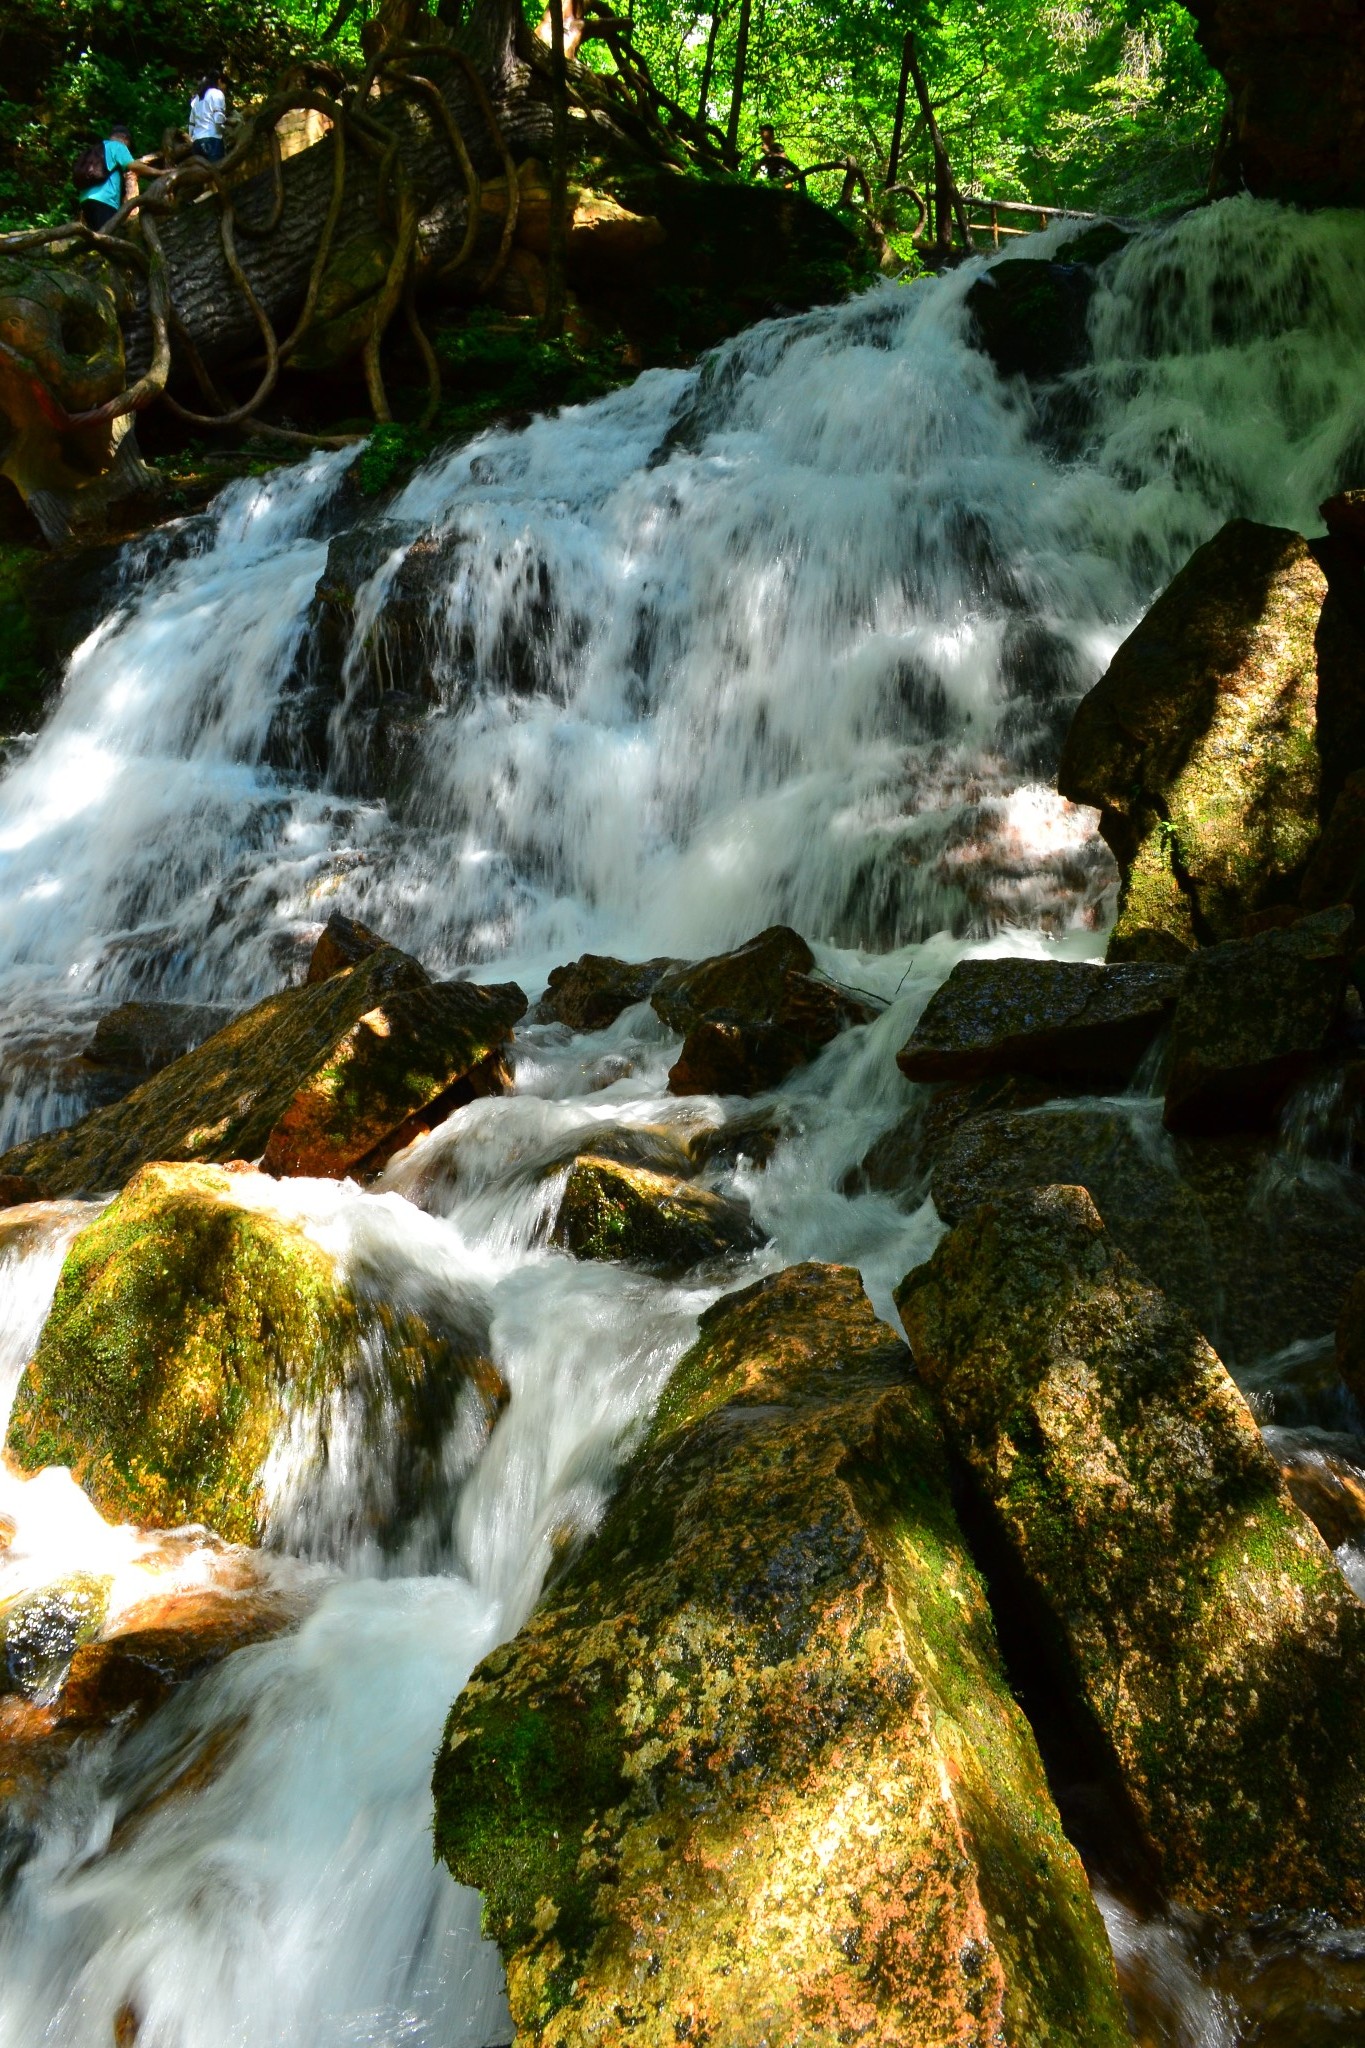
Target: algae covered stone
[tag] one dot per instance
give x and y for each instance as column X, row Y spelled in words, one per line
column 1195, row 1611
column 1067, row 1020
column 1199, row 745
column 188, row 1326
column 325, row 1078
column 752, row 1772
column 613, row 1210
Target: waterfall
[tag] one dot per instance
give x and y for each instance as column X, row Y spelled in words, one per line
column 794, row 635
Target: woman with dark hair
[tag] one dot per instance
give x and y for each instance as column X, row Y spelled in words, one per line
column 208, row 117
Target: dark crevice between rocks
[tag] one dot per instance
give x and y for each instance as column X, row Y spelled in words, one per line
column 1096, row 1810
column 1184, row 880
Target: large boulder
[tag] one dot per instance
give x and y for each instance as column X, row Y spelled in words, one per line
column 1064, row 1019
column 1200, row 748
column 187, row 1327
column 1296, row 97
column 591, row 992
column 1030, row 316
column 327, row 1079
column 752, row 1771
column 613, row 1211
column 1261, row 1254
column 1195, row 1611
column 750, row 1017
column 1252, row 1017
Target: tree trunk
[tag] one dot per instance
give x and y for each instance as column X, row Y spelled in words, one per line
column 737, row 90
column 704, row 97
column 898, row 127
column 553, row 323
column 947, row 198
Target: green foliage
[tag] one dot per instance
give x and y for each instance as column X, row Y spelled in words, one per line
column 494, row 366
column 1100, row 104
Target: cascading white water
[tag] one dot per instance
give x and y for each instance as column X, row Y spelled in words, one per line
column 792, row 636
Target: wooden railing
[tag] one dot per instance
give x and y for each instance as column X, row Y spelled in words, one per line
column 990, row 230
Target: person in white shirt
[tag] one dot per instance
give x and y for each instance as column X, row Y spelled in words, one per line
column 208, row 116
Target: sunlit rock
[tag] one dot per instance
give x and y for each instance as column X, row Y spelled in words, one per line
column 186, row 1329
column 342, row 943
column 615, row 1211
column 327, row 1079
column 1200, row 744
column 1197, row 1614
column 752, row 1771
column 1062, row 1019
column 42, row 1630
column 1252, row 1017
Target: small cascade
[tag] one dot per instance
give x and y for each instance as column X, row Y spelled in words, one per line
column 794, row 636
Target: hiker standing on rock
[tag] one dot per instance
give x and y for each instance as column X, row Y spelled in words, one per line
column 105, row 176
column 773, row 161
column 208, row 118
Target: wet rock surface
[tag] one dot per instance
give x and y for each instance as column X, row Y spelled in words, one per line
column 186, row 1327
column 325, row 1079
column 142, row 1037
column 1200, row 747
column 752, row 1016
column 611, row 1210
column 763, row 1718
column 1252, row 1017
column 342, row 943
column 1194, row 1610
column 1031, row 316
column 591, row 992
column 1064, row 1019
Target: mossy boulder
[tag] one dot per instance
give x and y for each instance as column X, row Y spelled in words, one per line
column 1066, row 1020
column 1031, row 315
column 1196, row 1614
column 186, row 1328
column 327, row 1079
column 752, row 1772
column 591, row 992
column 1199, row 745
column 1260, row 1254
column 1253, row 1016
column 752, row 1016
column 610, row 1210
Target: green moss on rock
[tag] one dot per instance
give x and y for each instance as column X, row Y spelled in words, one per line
column 180, row 1323
column 1200, row 747
column 1202, row 1622
column 615, row 1210
column 752, row 1772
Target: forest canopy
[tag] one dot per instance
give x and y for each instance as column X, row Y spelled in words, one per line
column 1108, row 105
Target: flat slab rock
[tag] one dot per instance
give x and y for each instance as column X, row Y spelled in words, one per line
column 1201, row 1620
column 752, row 1771
column 327, row 1079
column 1059, row 1018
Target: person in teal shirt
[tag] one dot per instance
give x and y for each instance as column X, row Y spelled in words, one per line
column 99, row 203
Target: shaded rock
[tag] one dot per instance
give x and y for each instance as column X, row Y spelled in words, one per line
column 342, row 943
column 900, row 1161
column 1055, row 1018
column 1199, row 745
column 743, row 987
column 1259, row 1251
column 592, row 992
column 752, row 1137
column 328, row 1078
column 1341, row 649
column 1345, row 517
column 185, row 1328
column 1336, row 869
column 751, row 1016
column 762, row 1721
column 1252, row 1016
column 41, row 1631
column 1196, row 1612
column 143, row 1037
column 1325, row 1482
column 1031, row 316
column 1350, row 1334
column 613, row 1211
column 16, row 1189
column 1296, row 90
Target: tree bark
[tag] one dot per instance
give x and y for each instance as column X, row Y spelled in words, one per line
column 704, row 97
column 737, row 90
column 947, row 198
column 559, row 175
column 898, row 127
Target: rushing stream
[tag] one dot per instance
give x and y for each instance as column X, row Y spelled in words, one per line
column 794, row 636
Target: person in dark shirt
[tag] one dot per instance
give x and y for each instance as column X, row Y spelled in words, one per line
column 773, row 161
